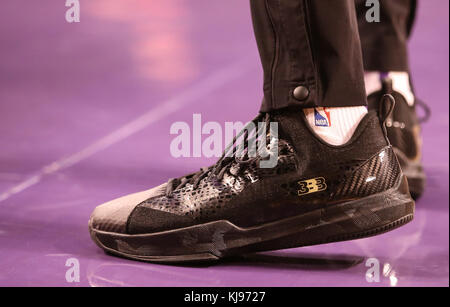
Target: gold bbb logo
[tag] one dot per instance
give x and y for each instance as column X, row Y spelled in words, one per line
column 311, row 186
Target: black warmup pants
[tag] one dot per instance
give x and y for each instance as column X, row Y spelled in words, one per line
column 314, row 52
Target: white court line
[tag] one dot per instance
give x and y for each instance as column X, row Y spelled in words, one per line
column 198, row 90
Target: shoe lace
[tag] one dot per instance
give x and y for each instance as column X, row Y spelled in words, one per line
column 219, row 169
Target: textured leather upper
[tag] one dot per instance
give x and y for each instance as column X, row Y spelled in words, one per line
column 309, row 175
column 249, row 195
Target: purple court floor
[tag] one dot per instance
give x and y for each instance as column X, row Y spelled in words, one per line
column 85, row 116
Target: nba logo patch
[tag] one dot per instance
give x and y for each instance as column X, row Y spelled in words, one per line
column 322, row 117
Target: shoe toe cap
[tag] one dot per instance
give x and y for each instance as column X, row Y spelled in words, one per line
column 113, row 216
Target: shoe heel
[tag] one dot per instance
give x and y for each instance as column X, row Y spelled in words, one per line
column 367, row 217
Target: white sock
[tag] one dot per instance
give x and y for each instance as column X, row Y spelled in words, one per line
column 400, row 83
column 372, row 80
column 335, row 125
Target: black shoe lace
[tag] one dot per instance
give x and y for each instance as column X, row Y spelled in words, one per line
column 219, row 169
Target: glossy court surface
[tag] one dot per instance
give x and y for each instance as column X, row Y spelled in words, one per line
column 85, row 116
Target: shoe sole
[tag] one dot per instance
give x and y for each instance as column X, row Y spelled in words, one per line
column 352, row 220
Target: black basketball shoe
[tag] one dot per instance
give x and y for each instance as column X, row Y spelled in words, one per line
column 316, row 193
column 403, row 129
